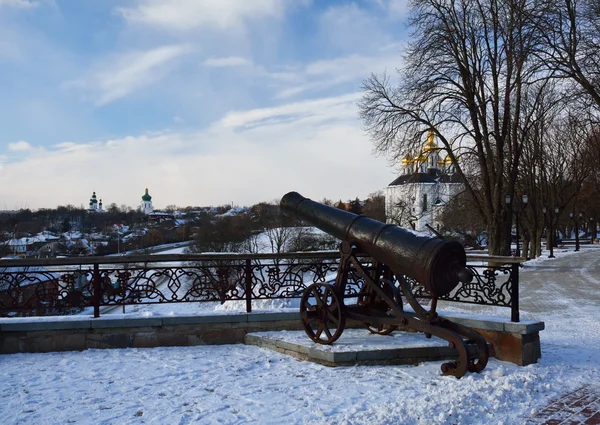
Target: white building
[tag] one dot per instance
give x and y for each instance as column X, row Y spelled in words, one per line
column 147, row 203
column 418, row 196
column 18, row 246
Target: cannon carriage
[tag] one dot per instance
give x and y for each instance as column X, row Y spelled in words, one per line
column 393, row 252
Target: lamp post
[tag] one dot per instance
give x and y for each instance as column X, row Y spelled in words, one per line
column 524, row 200
column 573, row 217
column 577, row 223
column 572, row 223
column 555, row 234
column 508, row 222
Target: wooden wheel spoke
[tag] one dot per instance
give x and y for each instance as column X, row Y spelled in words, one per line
column 331, row 316
column 319, row 331
column 317, row 296
column 324, row 321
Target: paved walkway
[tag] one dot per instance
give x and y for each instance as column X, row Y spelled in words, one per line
column 564, row 292
column 551, row 285
column 548, row 287
column 579, row 407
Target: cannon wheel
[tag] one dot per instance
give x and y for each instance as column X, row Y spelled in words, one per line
column 322, row 313
column 367, row 298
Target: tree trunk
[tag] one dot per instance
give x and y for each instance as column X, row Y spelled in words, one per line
column 535, row 244
column 525, row 250
column 498, row 239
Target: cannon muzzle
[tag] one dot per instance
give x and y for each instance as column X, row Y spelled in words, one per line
column 436, row 263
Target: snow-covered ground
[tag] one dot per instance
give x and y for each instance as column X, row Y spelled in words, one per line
column 237, row 384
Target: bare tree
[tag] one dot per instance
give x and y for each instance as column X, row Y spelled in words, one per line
column 571, row 43
column 592, row 157
column 226, row 234
column 460, row 217
column 274, row 225
column 400, row 211
column 375, row 206
column 554, row 168
column 466, row 72
column 278, row 238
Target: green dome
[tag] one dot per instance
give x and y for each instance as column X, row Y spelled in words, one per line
column 146, row 197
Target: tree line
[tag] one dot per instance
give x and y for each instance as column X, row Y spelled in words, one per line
column 264, row 228
column 259, row 228
column 511, row 90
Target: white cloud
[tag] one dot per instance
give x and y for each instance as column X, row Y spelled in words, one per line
column 71, row 147
column 21, row 145
column 19, row 4
column 321, row 108
column 229, row 61
column 121, row 75
column 184, row 15
column 314, row 151
column 324, row 74
column 398, row 8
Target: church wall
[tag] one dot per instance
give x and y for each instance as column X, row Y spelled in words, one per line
column 412, row 208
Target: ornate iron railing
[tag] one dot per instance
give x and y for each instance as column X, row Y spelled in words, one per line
column 65, row 286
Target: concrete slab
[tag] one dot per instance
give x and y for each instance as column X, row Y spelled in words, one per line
column 265, row 317
column 126, row 323
column 355, row 347
column 524, row 327
column 193, row 320
column 494, row 323
column 45, row 326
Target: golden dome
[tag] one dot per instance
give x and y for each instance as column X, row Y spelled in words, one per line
column 408, row 159
column 430, row 143
column 421, row 158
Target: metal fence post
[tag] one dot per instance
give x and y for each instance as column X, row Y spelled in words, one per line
column 514, row 296
column 248, row 285
column 96, row 284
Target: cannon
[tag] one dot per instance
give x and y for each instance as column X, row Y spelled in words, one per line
column 381, row 255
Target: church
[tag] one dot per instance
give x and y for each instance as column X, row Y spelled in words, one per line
column 94, row 205
column 146, row 203
column 417, row 197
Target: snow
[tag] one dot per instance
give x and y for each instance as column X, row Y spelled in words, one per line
column 238, row 384
column 242, row 384
column 233, row 212
column 357, row 340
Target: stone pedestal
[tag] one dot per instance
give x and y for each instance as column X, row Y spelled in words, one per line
column 517, row 343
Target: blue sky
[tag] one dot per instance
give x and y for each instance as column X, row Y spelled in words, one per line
column 205, row 102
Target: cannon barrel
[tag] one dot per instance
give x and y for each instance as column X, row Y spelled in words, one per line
column 436, row 263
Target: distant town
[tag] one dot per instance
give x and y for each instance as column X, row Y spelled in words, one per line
column 69, row 231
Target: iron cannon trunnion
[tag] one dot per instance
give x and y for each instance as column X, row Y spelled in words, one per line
column 395, row 252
